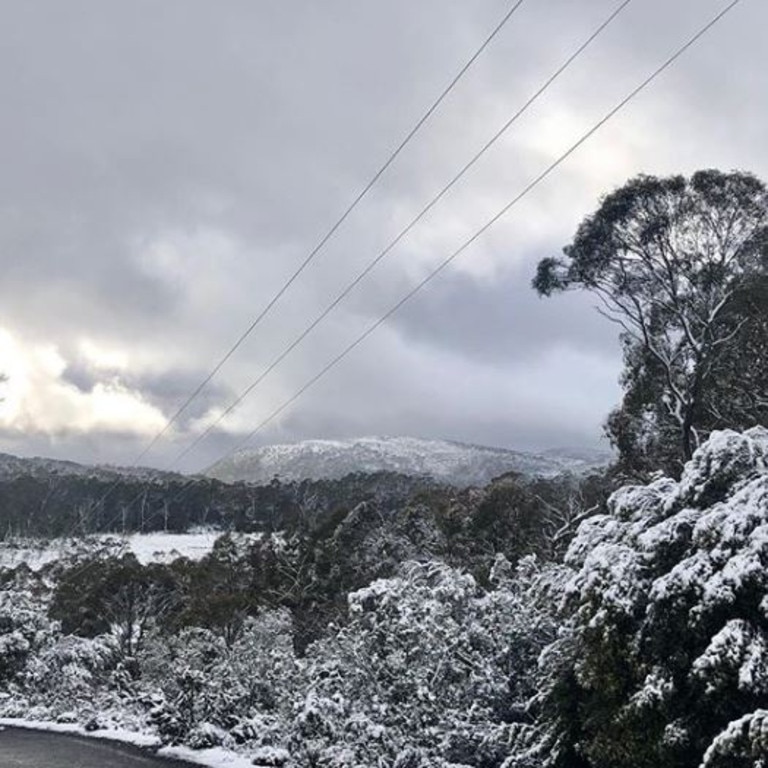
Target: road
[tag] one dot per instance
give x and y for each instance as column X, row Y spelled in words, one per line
column 36, row 749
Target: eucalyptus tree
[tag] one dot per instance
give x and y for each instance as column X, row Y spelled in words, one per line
column 681, row 265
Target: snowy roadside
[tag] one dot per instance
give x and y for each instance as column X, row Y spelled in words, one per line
column 215, row 757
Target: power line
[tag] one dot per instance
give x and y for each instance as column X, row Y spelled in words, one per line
column 448, row 260
column 403, row 232
column 467, row 243
column 329, row 234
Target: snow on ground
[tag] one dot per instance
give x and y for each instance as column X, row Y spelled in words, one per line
column 13, row 554
column 165, row 547
column 110, row 734
column 159, row 547
column 216, row 757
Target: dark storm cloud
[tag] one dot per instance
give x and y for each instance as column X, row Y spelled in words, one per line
column 168, row 389
column 165, row 167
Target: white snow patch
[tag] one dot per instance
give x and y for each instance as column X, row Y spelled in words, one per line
column 159, row 547
column 215, row 757
column 133, row 738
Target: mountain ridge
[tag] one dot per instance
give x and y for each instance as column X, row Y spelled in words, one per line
column 448, row 461
column 12, row 466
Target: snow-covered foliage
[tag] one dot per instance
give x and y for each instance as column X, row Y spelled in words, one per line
column 665, row 655
column 743, row 743
column 430, row 668
column 24, row 630
column 646, row 648
column 48, row 675
column 197, row 681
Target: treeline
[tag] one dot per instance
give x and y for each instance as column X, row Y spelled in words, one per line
column 47, row 506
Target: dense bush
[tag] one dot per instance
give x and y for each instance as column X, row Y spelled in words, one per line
column 663, row 661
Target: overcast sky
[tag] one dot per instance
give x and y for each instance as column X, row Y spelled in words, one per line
column 165, row 165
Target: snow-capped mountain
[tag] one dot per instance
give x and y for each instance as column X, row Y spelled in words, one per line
column 455, row 463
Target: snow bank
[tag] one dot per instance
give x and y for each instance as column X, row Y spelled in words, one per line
column 73, row 729
column 216, row 757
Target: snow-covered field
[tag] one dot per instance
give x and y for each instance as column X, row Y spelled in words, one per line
column 148, row 548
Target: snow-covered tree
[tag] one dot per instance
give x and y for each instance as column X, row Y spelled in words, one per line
column 24, row 631
column 74, row 675
column 664, row 660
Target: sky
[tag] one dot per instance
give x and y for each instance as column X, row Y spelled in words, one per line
column 166, row 165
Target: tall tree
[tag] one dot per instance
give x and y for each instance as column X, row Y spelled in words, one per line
column 682, row 266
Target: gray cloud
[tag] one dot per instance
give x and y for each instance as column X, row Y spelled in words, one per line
column 505, row 322
column 165, row 166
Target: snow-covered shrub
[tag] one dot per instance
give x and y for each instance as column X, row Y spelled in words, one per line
column 24, row 630
column 665, row 656
column 49, row 675
column 71, row 670
column 428, row 662
column 206, row 735
column 199, row 680
column 273, row 757
column 743, row 743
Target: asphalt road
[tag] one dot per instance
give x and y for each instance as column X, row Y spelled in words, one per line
column 34, row 749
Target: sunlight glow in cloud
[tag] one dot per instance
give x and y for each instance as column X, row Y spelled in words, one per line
column 38, row 400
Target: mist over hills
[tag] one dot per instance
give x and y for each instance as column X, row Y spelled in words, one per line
column 444, row 461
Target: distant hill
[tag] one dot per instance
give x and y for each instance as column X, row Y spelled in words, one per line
column 454, row 463
column 47, row 498
column 12, row 467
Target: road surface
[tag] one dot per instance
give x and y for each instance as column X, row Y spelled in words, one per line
column 36, row 749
